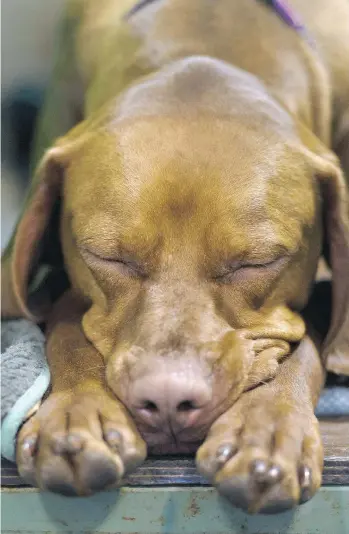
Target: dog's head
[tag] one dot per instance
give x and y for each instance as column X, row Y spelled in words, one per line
column 194, row 240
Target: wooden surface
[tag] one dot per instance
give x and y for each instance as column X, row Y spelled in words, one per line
column 181, row 471
column 335, row 435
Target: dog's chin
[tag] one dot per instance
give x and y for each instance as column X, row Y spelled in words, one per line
column 168, row 440
column 159, row 444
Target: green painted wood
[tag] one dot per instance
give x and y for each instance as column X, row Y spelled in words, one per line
column 167, row 510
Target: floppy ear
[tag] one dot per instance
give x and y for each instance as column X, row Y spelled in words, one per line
column 336, row 249
column 35, row 241
column 22, row 255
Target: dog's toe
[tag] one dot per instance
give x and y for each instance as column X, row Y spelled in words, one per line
column 264, row 463
column 97, row 469
column 79, row 446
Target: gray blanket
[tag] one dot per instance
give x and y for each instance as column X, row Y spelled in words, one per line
column 25, row 378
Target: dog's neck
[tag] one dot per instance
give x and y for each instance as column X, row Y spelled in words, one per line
column 294, row 75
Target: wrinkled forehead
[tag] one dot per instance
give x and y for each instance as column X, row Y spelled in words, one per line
column 164, row 173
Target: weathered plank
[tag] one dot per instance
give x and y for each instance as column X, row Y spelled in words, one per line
column 181, row 471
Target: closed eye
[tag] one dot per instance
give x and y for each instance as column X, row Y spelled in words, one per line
column 124, row 266
column 259, row 265
column 245, row 268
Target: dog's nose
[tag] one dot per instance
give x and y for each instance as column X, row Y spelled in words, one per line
column 178, row 398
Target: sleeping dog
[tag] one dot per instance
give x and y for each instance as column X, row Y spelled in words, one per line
column 191, row 174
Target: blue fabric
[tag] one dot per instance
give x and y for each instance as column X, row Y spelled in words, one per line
column 17, row 414
column 334, row 402
column 25, row 377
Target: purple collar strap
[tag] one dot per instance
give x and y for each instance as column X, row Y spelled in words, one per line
column 290, row 17
column 281, row 7
column 286, row 13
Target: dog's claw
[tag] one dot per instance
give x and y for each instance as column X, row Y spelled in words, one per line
column 265, row 475
column 29, row 446
column 259, row 470
column 305, row 480
column 114, row 439
column 304, row 476
column 59, row 445
column 224, row 453
column 74, row 444
column 273, row 475
column 71, row 444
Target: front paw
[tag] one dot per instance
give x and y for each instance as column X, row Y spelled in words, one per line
column 78, row 444
column 264, row 455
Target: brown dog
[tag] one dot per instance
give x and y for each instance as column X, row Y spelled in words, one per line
column 196, row 196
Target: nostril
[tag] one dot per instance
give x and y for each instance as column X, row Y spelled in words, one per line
column 186, row 406
column 150, row 406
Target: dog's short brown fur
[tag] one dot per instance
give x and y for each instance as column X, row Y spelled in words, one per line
column 197, row 195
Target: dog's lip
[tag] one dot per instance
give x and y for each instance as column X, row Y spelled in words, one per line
column 167, row 445
column 166, row 436
column 163, row 427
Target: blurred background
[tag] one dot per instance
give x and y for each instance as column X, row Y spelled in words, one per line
column 28, row 36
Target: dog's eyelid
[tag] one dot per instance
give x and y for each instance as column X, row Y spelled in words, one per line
column 130, row 264
column 241, row 265
column 87, row 250
column 261, row 264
